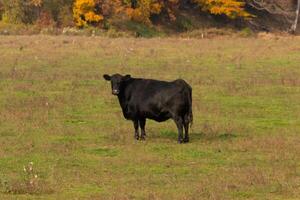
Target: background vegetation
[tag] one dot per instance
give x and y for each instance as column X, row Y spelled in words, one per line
column 62, row 133
column 180, row 15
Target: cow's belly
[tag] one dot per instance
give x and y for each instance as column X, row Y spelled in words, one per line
column 159, row 116
column 159, row 119
column 148, row 110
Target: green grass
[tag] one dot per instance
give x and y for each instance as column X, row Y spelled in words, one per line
column 57, row 112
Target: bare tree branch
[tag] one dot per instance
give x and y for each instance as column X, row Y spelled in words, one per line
column 274, row 7
column 294, row 26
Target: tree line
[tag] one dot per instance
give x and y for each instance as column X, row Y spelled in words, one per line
column 83, row 13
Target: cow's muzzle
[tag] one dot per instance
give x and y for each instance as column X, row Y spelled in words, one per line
column 115, row 92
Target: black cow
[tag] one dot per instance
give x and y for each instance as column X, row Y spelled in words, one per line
column 142, row 99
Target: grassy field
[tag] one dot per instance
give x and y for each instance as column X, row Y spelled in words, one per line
column 57, row 112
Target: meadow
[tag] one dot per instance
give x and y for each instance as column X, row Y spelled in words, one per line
column 63, row 136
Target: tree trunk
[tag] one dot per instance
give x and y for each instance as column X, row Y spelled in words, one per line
column 294, row 26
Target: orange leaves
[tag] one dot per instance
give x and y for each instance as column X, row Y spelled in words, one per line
column 92, row 17
column 94, row 12
column 87, row 12
column 84, row 12
column 136, row 14
column 143, row 11
column 230, row 8
column 146, row 8
column 155, row 8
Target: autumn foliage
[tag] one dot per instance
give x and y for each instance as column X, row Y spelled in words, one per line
column 95, row 12
column 85, row 13
column 230, row 8
column 144, row 9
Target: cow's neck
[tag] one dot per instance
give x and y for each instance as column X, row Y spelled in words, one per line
column 123, row 102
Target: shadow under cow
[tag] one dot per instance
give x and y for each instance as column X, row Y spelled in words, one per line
column 194, row 136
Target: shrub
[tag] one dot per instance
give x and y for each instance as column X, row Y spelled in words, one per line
column 85, row 13
column 98, row 12
column 28, row 183
column 20, row 11
column 46, row 20
column 65, row 18
column 143, row 10
column 13, row 11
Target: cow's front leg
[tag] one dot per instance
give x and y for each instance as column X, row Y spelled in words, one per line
column 142, row 125
column 136, row 129
column 179, row 124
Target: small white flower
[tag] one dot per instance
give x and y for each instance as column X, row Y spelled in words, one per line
column 35, row 176
column 24, row 168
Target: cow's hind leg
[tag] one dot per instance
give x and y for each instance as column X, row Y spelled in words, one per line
column 142, row 125
column 186, row 130
column 186, row 123
column 179, row 124
column 136, row 129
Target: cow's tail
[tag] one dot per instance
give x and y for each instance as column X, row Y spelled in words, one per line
column 188, row 118
column 190, row 112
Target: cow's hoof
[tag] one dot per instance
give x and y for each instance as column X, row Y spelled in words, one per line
column 143, row 138
column 136, row 137
column 186, row 140
column 180, row 141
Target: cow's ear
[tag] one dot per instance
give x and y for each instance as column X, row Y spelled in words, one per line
column 107, row 77
column 127, row 77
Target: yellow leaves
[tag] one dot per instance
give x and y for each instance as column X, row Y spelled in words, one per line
column 137, row 15
column 143, row 11
column 36, row 3
column 87, row 12
column 91, row 16
column 146, row 8
column 155, row 8
column 84, row 10
column 230, row 8
column 84, row 13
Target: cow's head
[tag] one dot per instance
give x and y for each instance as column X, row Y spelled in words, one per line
column 117, row 81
